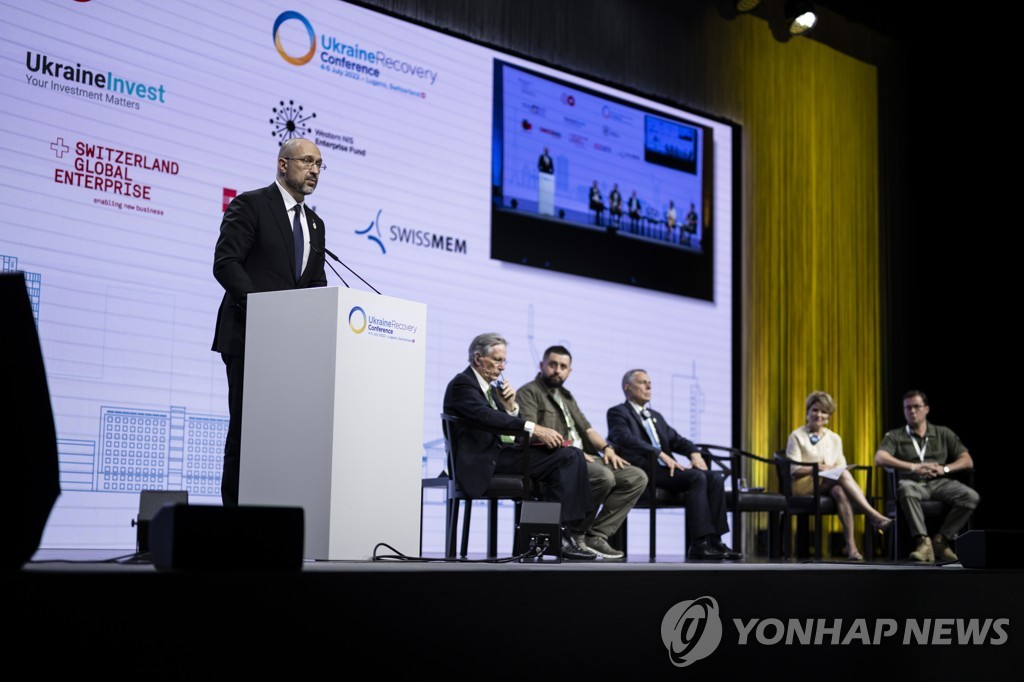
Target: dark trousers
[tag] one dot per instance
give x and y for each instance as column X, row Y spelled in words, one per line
column 235, row 366
column 704, row 493
column 563, row 471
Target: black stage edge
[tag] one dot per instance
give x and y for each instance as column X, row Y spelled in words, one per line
column 601, row 253
column 514, row 621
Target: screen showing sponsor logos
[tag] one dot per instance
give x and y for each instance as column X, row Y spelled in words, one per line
column 591, row 184
column 128, row 129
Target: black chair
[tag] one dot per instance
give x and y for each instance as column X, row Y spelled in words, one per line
column 740, row 501
column 502, row 487
column 441, row 482
column 934, row 511
column 804, row 507
column 655, row 498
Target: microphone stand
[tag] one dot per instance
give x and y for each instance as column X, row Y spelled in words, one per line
column 350, row 270
column 315, row 248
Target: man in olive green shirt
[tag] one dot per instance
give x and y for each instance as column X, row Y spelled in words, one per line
column 923, row 456
column 615, row 484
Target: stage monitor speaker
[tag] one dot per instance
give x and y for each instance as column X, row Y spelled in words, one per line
column 990, row 549
column 197, row 537
column 29, row 434
column 539, row 528
column 150, row 502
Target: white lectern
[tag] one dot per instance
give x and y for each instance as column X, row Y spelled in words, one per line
column 332, row 417
column 546, row 193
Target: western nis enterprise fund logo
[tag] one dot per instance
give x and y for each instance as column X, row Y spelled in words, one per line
column 66, row 78
column 359, row 321
column 296, row 42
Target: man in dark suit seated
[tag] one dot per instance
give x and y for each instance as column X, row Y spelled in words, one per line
column 480, row 394
column 691, row 221
column 634, row 211
column 615, row 203
column 639, row 432
column 596, row 203
column 269, row 241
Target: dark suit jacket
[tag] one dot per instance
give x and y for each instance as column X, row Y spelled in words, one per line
column 627, row 434
column 545, row 164
column 477, row 450
column 256, row 252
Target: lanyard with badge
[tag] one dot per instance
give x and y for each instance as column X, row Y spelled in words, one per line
column 920, row 447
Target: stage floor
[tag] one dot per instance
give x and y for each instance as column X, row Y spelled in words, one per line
column 88, row 613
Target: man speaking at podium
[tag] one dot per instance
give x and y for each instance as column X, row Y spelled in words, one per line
column 269, row 241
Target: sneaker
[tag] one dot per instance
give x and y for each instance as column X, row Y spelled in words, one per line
column 574, row 551
column 601, row 548
column 924, row 552
column 942, row 550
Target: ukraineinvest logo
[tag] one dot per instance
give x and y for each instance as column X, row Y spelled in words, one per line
column 357, row 320
column 288, row 16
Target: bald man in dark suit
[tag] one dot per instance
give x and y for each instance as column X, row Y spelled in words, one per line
column 640, row 433
column 269, row 241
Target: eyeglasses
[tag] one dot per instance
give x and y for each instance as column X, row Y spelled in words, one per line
column 308, row 162
column 912, row 408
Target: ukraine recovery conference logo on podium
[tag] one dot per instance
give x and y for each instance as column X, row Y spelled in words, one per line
column 357, row 320
column 391, row 328
column 288, row 16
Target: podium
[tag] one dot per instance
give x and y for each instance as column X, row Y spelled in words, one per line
column 332, row 416
column 546, row 193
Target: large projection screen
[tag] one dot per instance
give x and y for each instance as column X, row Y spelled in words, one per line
column 128, row 127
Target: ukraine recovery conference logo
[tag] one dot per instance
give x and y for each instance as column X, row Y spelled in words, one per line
column 357, row 320
column 288, row 16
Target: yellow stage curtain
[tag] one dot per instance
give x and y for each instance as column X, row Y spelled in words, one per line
column 810, row 236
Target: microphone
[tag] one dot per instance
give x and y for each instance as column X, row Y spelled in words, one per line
column 317, row 249
column 329, row 253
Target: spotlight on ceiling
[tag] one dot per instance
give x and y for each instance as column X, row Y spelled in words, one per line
column 800, row 17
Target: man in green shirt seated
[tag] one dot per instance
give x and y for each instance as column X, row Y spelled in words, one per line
column 923, row 456
column 615, row 485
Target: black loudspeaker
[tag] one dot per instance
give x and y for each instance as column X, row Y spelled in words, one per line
column 29, row 435
column 990, row 549
column 539, row 529
column 191, row 537
column 150, row 502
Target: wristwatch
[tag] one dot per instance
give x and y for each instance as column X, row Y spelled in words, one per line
column 945, row 470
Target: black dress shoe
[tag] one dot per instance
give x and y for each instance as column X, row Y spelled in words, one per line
column 729, row 554
column 571, row 551
column 703, row 550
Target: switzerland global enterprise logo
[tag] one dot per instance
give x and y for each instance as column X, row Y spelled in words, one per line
column 348, row 59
